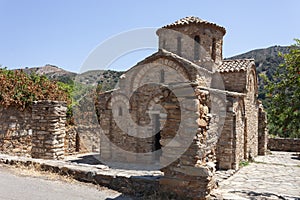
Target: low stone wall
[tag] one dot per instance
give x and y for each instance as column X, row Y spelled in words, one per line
column 71, row 140
column 16, row 145
column 34, row 131
column 284, row 144
column 15, row 131
column 49, row 131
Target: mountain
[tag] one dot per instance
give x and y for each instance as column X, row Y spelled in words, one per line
column 266, row 61
column 107, row 78
column 52, row 72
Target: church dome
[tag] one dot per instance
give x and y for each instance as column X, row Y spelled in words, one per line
column 194, row 20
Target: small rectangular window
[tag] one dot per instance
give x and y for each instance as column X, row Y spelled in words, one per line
column 120, row 111
column 213, row 50
column 179, row 46
column 164, row 44
column 196, row 47
column 162, row 76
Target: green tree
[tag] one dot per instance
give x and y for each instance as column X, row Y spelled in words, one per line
column 283, row 95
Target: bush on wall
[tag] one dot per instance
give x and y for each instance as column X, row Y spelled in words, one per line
column 20, row 89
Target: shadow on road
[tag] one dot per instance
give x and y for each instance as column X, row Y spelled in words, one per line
column 93, row 159
column 252, row 195
column 295, row 156
column 121, row 197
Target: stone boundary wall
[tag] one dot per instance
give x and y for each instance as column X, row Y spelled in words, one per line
column 284, row 144
column 15, row 131
column 71, row 141
column 37, row 131
column 49, row 130
column 16, row 145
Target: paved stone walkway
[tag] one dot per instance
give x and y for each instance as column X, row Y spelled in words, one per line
column 271, row 177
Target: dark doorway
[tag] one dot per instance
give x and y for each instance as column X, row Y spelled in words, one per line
column 157, row 136
column 245, row 140
column 196, row 47
column 77, row 143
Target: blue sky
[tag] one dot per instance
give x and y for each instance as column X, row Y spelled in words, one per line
column 65, row 32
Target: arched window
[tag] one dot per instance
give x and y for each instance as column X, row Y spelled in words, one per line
column 213, row 49
column 164, row 44
column 196, row 47
column 179, row 45
column 162, row 76
column 120, row 113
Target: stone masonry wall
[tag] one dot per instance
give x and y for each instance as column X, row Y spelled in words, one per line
column 37, row 131
column 251, row 111
column 284, row 144
column 71, row 144
column 86, row 131
column 230, row 146
column 120, row 134
column 225, row 155
column 234, row 81
column 191, row 174
column 48, row 124
column 168, row 39
column 15, row 131
column 262, row 131
column 239, row 134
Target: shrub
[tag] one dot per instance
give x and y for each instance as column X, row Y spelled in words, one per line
column 20, row 89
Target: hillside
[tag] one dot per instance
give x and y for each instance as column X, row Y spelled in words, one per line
column 266, row 61
column 107, row 78
column 52, row 72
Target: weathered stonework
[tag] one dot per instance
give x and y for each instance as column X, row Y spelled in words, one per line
column 262, row 131
column 244, row 132
column 284, row 144
column 188, row 67
column 15, row 131
column 191, row 175
column 48, row 124
column 86, row 125
column 230, row 147
column 71, row 143
column 37, row 131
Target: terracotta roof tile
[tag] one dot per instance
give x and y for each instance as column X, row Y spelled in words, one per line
column 235, row 65
column 193, row 20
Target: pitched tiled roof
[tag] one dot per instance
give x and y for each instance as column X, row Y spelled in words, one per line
column 235, row 65
column 193, row 20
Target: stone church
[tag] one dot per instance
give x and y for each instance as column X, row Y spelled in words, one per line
column 185, row 110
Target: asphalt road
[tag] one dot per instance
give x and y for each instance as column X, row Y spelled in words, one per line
column 15, row 186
